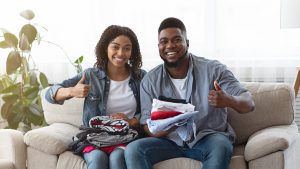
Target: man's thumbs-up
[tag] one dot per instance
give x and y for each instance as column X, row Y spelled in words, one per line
column 217, row 86
column 217, row 97
column 81, row 89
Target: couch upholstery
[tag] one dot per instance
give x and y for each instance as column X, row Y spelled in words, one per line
column 266, row 137
column 12, row 149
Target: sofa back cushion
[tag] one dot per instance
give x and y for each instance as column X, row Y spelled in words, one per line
column 70, row 112
column 274, row 105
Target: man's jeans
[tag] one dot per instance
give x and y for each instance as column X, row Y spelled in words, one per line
column 98, row 159
column 214, row 151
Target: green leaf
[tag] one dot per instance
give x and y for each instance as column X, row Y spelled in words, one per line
column 27, row 14
column 29, row 31
column 31, row 91
column 79, row 60
column 14, row 119
column 11, row 40
column 36, row 110
column 23, row 43
column 44, row 80
column 10, row 98
column 13, row 62
column 11, row 89
column 5, row 110
column 34, row 119
column 33, row 79
column 4, row 45
column 5, row 81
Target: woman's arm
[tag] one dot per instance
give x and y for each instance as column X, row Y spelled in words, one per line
column 80, row 90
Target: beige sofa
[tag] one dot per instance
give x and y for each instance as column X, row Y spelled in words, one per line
column 12, row 149
column 266, row 138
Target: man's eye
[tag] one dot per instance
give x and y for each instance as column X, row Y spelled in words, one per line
column 163, row 42
column 177, row 40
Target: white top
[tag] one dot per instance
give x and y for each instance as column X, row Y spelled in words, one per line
column 121, row 98
column 181, row 86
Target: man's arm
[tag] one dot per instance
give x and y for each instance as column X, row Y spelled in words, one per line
column 242, row 103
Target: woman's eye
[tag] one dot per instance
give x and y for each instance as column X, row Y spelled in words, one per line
column 115, row 47
column 127, row 49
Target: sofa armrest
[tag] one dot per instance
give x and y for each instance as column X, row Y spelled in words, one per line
column 13, row 149
column 270, row 140
column 53, row 139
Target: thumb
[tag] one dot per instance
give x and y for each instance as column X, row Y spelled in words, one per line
column 81, row 81
column 217, row 86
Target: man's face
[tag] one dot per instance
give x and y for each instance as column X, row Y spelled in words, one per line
column 173, row 45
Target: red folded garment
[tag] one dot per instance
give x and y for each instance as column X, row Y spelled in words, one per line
column 157, row 115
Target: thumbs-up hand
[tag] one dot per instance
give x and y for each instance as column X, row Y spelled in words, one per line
column 81, row 89
column 218, row 98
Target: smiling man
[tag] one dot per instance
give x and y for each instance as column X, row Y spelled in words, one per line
column 206, row 84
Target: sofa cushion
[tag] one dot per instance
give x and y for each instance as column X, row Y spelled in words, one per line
column 53, row 139
column 270, row 140
column 271, row 161
column 70, row 112
column 69, row 160
column 6, row 164
column 273, row 106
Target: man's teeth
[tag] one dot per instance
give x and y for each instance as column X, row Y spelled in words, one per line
column 171, row 53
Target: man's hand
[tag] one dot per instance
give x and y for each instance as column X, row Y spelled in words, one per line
column 218, row 98
column 80, row 90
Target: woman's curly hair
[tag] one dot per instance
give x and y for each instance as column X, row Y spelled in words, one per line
column 109, row 34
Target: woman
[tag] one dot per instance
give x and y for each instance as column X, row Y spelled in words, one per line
column 110, row 88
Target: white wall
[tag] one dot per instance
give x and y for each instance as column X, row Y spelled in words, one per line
column 245, row 34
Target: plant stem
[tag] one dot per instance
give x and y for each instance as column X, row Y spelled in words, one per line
column 62, row 50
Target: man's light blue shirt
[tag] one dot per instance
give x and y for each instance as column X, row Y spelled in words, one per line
column 201, row 75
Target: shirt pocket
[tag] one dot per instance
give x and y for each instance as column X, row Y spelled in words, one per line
column 92, row 105
column 93, row 98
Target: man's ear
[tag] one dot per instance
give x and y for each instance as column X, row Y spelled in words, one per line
column 187, row 43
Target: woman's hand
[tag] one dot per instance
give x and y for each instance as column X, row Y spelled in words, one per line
column 133, row 123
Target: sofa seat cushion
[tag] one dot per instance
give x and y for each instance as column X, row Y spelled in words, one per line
column 68, row 160
column 6, row 164
column 270, row 140
column 53, row 139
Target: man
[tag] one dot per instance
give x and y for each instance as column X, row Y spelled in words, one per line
column 206, row 84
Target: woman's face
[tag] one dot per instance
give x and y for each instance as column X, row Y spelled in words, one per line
column 119, row 51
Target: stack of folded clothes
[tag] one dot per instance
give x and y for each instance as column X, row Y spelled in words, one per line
column 167, row 113
column 103, row 133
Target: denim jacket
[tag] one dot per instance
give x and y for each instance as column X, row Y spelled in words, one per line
column 96, row 101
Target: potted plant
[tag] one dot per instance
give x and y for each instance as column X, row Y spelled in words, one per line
column 20, row 86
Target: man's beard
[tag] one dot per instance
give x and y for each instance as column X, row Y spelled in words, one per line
column 174, row 64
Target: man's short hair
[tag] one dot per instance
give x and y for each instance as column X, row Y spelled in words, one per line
column 172, row 22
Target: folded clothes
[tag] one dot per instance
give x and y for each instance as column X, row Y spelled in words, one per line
column 109, row 125
column 157, row 115
column 165, row 115
column 168, row 99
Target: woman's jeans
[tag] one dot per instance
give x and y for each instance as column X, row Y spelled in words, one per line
column 98, row 159
column 214, row 151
